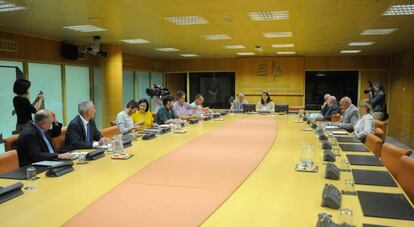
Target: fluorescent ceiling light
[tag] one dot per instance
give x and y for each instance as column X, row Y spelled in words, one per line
column 269, row 15
column 350, row 51
column 85, row 28
column 234, row 47
column 285, row 45
column 187, row 20
column 135, row 41
column 168, row 49
column 381, row 31
column 396, row 10
column 360, row 43
column 285, row 52
column 189, row 55
column 10, row 7
column 277, row 34
column 216, row 36
column 245, row 53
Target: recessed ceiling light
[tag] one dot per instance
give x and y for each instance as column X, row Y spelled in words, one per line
column 350, row 51
column 189, row 55
column 269, row 15
column 234, row 47
column 216, row 36
column 168, row 49
column 277, row 34
column 285, row 52
column 381, row 31
column 360, row 43
column 187, row 20
column 284, row 45
column 135, row 41
column 10, row 7
column 396, row 10
column 85, row 28
column 245, row 53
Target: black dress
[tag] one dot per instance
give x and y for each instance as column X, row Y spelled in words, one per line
column 24, row 110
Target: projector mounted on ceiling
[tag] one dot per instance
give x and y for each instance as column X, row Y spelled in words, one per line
column 94, row 49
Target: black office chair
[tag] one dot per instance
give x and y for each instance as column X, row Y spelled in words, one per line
column 281, row 108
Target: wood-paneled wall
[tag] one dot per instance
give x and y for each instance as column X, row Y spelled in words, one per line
column 287, row 85
column 37, row 49
column 401, row 104
column 141, row 63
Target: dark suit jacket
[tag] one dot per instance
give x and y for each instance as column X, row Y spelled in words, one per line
column 76, row 136
column 332, row 110
column 32, row 148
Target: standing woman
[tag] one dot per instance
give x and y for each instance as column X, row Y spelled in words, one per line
column 266, row 103
column 365, row 124
column 24, row 109
column 143, row 117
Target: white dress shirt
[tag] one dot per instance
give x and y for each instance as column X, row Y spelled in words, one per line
column 85, row 127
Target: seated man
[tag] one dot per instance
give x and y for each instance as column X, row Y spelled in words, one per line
column 199, row 110
column 324, row 107
column 82, row 132
column 183, row 110
column 124, row 120
column 333, row 109
column 166, row 113
column 34, row 143
column 350, row 114
column 238, row 103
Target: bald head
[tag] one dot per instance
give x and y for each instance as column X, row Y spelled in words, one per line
column 326, row 96
column 331, row 100
column 43, row 119
column 345, row 102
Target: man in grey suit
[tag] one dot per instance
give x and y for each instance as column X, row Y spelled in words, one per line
column 350, row 114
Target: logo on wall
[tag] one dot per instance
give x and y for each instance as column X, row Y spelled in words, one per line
column 275, row 70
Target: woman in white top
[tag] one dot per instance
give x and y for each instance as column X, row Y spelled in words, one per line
column 266, row 103
column 124, row 120
column 365, row 124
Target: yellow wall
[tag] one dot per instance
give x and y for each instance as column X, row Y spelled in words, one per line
column 401, row 104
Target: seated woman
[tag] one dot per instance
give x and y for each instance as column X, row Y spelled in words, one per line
column 266, row 103
column 143, row 117
column 124, row 118
column 365, row 124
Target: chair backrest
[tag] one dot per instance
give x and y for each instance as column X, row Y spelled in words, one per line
column 406, row 177
column 336, row 117
column 9, row 161
column 281, row 108
column 110, row 131
column 381, row 124
column 374, row 144
column 10, row 143
column 390, row 156
column 380, row 133
column 59, row 141
column 295, row 109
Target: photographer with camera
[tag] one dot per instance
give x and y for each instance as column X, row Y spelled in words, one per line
column 376, row 97
column 22, row 106
column 156, row 93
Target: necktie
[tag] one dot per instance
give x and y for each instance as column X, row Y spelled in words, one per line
column 88, row 132
column 49, row 146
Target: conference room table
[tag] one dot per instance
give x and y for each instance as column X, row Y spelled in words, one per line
column 274, row 194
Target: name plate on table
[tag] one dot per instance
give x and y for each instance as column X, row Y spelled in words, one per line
column 304, row 167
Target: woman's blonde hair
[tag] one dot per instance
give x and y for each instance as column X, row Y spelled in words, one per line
column 367, row 106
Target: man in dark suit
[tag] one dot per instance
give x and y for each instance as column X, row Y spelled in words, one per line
column 34, row 143
column 82, row 132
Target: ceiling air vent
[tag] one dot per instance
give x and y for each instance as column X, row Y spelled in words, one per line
column 8, row 45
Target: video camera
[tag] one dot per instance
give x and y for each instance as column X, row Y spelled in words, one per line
column 370, row 88
column 157, row 90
